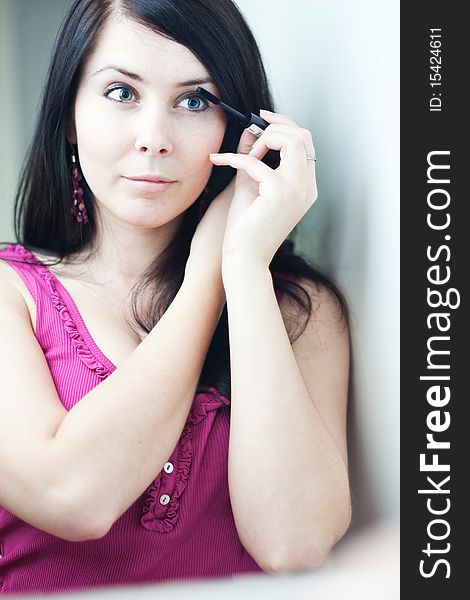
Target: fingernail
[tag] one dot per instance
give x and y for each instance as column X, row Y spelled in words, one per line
column 263, row 110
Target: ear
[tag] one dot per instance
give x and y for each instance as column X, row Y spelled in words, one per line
column 71, row 136
column 71, row 132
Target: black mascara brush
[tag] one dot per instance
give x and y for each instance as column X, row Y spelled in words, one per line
column 254, row 123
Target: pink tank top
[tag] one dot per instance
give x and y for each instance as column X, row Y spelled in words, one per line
column 181, row 528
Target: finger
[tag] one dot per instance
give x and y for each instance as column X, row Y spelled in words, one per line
column 274, row 117
column 292, row 149
column 256, row 169
column 260, row 148
column 248, row 138
column 246, row 142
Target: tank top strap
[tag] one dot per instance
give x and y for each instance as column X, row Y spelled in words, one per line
column 53, row 302
column 36, row 276
column 24, row 263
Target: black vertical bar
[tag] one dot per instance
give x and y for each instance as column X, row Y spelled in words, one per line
column 435, row 238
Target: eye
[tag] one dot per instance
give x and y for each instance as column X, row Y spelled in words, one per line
column 195, row 103
column 120, row 93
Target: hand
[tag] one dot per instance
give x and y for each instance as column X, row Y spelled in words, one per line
column 268, row 203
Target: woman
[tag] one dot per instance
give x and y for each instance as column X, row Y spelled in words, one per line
column 174, row 377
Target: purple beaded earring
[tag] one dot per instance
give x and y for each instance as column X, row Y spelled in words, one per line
column 78, row 206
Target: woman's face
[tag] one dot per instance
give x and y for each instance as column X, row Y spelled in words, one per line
column 136, row 120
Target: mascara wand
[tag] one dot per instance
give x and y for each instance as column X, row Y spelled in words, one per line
column 250, row 121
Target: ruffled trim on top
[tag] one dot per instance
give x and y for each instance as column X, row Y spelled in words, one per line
column 206, row 401
column 83, row 351
column 163, row 518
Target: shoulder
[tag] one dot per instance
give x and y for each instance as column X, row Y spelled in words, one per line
column 9, row 278
column 327, row 318
column 321, row 349
column 14, row 295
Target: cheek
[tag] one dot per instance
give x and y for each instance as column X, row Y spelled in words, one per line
column 98, row 135
column 205, row 139
column 99, row 144
column 197, row 165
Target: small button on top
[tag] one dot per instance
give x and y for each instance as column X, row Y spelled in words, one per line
column 168, row 468
column 164, row 499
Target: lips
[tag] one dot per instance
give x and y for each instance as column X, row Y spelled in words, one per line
column 150, row 183
column 151, row 178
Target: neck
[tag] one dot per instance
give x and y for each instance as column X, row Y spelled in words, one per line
column 121, row 254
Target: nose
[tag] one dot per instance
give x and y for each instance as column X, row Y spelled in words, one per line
column 154, row 133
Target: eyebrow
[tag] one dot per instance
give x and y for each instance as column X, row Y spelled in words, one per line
column 136, row 77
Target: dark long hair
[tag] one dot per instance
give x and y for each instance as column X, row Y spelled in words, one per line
column 217, row 34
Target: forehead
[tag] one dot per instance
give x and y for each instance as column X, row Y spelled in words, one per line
column 130, row 44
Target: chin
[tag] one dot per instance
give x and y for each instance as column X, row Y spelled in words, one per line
column 153, row 221
column 144, row 212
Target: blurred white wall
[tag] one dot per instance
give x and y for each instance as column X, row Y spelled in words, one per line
column 334, row 68
column 27, row 33
column 10, row 154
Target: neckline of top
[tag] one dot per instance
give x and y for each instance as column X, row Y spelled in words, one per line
column 205, row 391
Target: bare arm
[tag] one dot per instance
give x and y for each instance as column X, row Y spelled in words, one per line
column 287, row 457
